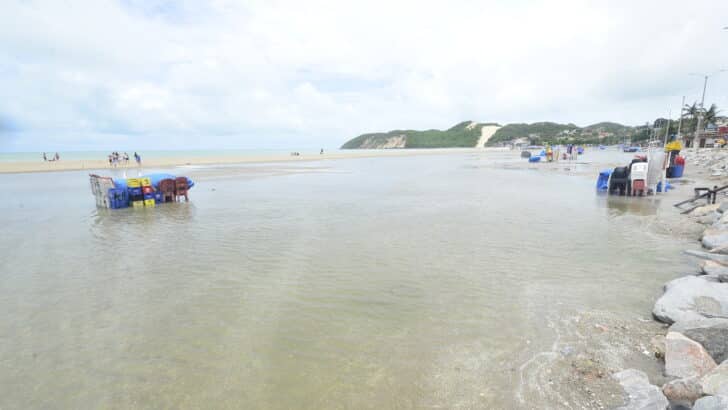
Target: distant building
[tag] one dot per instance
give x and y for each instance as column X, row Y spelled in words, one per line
column 605, row 134
column 520, row 142
column 707, row 137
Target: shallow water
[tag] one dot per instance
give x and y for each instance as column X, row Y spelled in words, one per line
column 363, row 283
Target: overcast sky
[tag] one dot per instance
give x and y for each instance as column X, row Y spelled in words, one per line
column 143, row 74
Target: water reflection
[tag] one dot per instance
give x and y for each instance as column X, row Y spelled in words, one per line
column 129, row 224
column 620, row 205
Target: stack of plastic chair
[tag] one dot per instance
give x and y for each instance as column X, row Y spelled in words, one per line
column 95, row 188
column 118, row 198
column 100, row 188
column 676, row 170
column 180, row 188
column 638, row 177
column 167, row 189
column 618, row 180
column 603, row 180
column 655, row 172
column 147, row 192
column 134, row 189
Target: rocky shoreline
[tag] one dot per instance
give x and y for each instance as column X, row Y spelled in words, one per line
column 694, row 348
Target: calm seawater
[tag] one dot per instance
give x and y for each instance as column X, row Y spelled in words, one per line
column 364, row 283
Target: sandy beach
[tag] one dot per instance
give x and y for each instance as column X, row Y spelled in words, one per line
column 11, row 167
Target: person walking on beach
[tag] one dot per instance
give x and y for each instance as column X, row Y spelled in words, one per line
column 137, row 158
column 45, row 158
column 126, row 159
column 56, row 157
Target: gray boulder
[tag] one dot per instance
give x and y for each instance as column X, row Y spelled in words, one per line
column 685, row 357
column 641, row 394
column 715, row 382
column 691, row 298
column 723, row 206
column 704, row 210
column 723, row 277
column 683, row 390
column 657, row 343
column 709, row 219
column 714, row 238
column 712, row 403
column 709, row 256
column 721, row 227
column 711, row 333
column 713, row 268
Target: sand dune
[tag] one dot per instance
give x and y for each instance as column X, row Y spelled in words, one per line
column 485, row 133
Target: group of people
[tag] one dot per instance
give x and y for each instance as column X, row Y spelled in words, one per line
column 54, row 157
column 297, row 154
column 115, row 159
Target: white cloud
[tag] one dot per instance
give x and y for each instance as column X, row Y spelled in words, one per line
column 91, row 73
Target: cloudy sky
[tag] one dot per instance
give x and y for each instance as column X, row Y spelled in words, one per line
column 133, row 74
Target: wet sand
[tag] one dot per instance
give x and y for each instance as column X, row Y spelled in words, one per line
column 80, row 165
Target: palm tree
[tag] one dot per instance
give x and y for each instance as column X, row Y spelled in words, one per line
column 691, row 112
column 710, row 115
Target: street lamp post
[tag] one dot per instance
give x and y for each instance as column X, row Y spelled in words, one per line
column 702, row 100
column 702, row 110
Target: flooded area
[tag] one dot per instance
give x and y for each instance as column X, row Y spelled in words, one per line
column 471, row 280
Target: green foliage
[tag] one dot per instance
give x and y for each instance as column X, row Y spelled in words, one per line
column 691, row 112
column 377, row 137
column 457, row 136
column 641, row 134
column 538, row 132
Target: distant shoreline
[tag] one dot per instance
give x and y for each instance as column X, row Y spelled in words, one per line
column 19, row 167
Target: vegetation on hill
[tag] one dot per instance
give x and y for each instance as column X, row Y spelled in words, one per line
column 464, row 134
column 611, row 127
column 540, row 133
column 467, row 133
column 536, row 132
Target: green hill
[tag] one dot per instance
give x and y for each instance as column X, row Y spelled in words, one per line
column 537, row 130
column 467, row 134
column 554, row 133
column 464, row 134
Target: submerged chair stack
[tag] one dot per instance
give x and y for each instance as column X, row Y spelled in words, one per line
column 118, row 198
column 180, row 188
column 147, row 192
column 139, row 192
column 100, row 188
column 134, row 188
column 167, row 190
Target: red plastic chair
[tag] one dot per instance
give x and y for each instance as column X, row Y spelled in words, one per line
column 168, row 188
column 181, row 188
